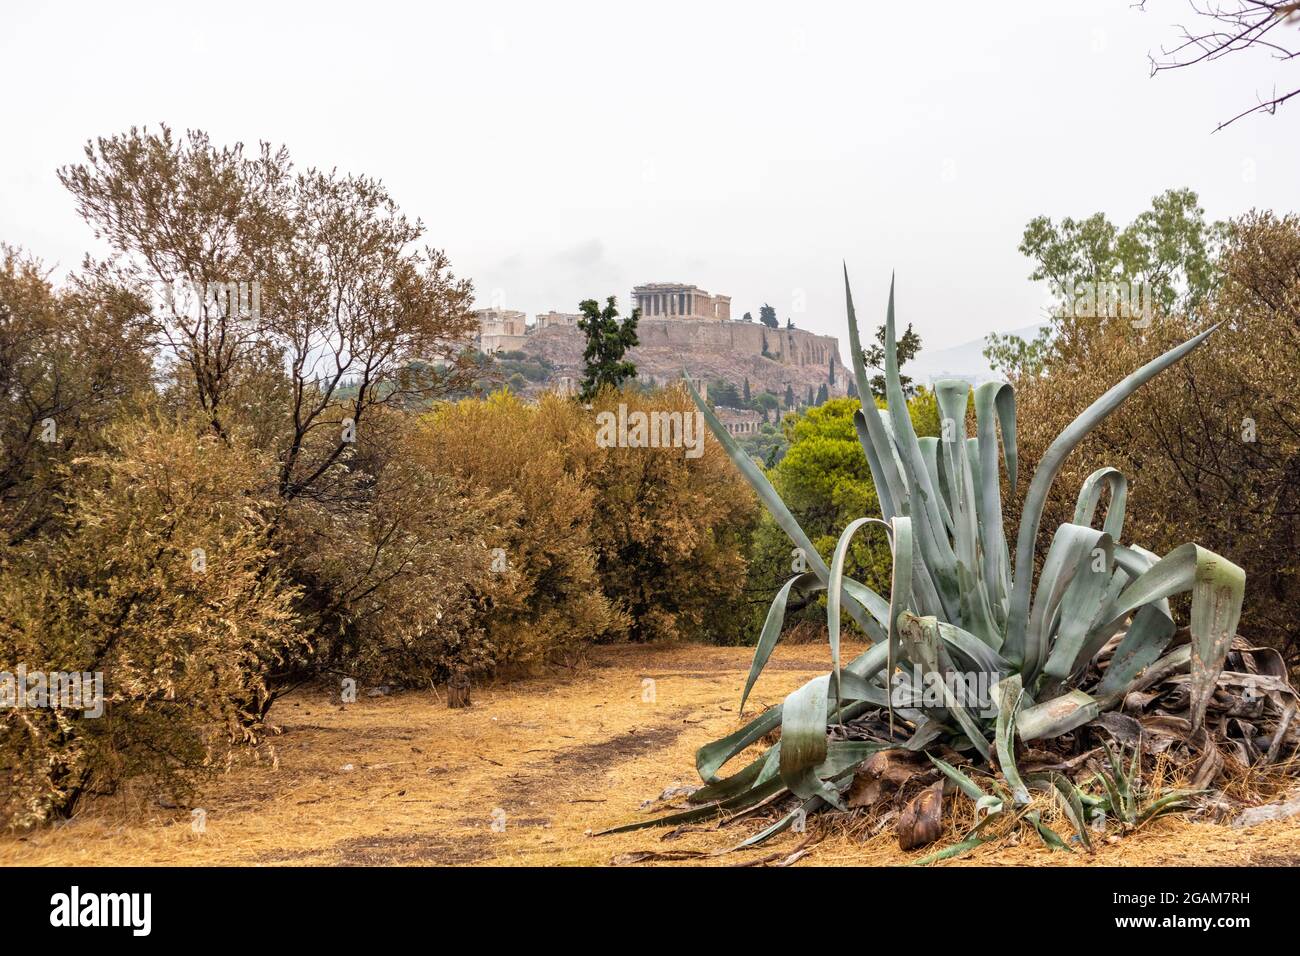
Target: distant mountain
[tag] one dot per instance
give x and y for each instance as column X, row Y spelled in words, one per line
column 960, row 361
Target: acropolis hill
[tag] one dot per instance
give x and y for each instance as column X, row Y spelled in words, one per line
column 682, row 327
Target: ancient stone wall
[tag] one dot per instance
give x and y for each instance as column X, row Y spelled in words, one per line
column 731, row 351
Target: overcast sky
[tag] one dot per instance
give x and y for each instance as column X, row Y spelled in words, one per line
column 559, row 151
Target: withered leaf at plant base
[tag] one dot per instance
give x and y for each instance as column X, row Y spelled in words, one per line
column 883, row 774
column 922, row 822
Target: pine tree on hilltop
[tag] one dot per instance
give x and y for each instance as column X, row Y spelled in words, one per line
column 767, row 315
column 608, row 340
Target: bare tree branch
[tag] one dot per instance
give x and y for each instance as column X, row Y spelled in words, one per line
column 1235, row 26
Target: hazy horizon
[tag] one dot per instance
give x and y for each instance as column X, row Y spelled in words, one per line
column 575, row 150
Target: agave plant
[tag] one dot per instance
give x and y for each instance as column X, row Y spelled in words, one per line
column 962, row 603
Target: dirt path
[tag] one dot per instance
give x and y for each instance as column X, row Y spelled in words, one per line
column 518, row 779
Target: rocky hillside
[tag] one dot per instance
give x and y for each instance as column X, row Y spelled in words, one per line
column 770, row 359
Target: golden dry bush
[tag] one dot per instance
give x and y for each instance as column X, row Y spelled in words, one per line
column 535, row 461
column 161, row 580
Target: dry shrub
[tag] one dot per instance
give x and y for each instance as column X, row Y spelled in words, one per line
column 1211, row 447
column 163, row 581
column 672, row 532
column 535, row 463
column 399, row 579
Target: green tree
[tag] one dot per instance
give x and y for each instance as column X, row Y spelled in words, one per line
column 724, row 393
column 747, row 396
column 789, row 396
column 767, row 315
column 1169, row 247
column 1167, row 258
column 608, row 340
column 747, row 318
column 823, row 395
column 909, row 343
column 1013, row 355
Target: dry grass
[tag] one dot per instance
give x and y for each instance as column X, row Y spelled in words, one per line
column 560, row 756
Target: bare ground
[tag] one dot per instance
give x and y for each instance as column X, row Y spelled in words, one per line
column 522, row 778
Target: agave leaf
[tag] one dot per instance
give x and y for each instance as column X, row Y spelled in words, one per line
column 929, row 446
column 1010, row 693
column 935, row 548
column 1052, row 460
column 963, row 782
column 885, row 494
column 710, row 758
column 1071, row 551
column 803, row 741
column 738, row 782
column 1147, row 637
column 781, row 825
column 900, row 596
column 923, row 647
column 734, row 804
column 835, row 587
column 1085, row 599
column 1090, row 495
column 1120, row 786
column 842, row 758
column 1217, row 597
column 771, row 632
column 1218, row 588
column 1174, row 800
column 1050, row 836
column 972, row 652
column 1069, row 799
column 991, row 397
column 957, row 849
column 953, row 396
column 1057, row 716
column 927, row 732
column 1101, row 628
column 871, row 432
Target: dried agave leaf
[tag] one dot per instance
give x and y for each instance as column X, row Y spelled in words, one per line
column 922, row 822
column 885, row 773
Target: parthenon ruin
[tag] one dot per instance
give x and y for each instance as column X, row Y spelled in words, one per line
column 673, row 300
